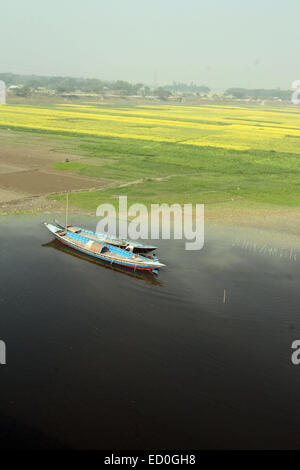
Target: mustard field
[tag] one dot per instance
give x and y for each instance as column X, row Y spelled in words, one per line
column 238, row 128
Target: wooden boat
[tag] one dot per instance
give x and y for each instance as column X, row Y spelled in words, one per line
column 103, row 251
column 123, row 243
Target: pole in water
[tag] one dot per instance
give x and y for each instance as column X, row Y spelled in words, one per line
column 67, row 207
column 224, row 297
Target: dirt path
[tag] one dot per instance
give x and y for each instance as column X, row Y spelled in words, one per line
column 37, row 182
column 26, row 172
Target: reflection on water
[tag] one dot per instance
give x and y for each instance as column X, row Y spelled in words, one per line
column 98, row 359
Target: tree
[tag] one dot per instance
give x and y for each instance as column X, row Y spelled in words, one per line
column 124, row 88
column 203, row 89
column 162, row 94
column 65, row 88
column 24, row 91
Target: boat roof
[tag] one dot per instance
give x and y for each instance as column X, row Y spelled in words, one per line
column 105, row 236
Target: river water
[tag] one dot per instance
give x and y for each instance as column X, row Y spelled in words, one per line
column 198, row 357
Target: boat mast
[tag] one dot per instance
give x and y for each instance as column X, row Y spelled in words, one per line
column 67, row 207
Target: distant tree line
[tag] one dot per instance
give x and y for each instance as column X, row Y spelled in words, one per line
column 187, row 88
column 260, row 94
column 69, row 85
column 59, row 84
column 63, row 85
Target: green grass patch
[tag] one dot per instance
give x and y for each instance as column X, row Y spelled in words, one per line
column 164, row 172
column 174, row 172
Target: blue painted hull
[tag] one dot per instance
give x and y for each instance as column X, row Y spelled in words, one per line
column 108, row 261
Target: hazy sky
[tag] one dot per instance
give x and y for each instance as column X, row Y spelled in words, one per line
column 221, row 43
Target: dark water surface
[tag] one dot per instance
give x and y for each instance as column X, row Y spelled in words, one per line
column 98, row 358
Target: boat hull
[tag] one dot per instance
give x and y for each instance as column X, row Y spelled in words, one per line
column 104, row 258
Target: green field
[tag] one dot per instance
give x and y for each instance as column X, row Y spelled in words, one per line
column 169, row 172
column 233, row 157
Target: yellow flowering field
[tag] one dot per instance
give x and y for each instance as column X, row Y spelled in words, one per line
column 229, row 127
